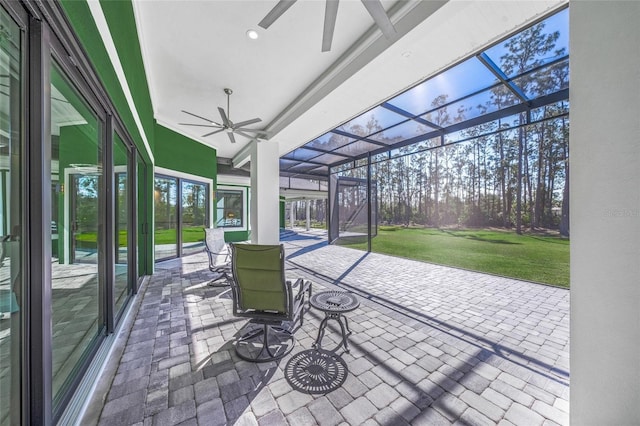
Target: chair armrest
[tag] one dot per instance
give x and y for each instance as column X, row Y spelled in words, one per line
column 215, row 253
column 299, row 287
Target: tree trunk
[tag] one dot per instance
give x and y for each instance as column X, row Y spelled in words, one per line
column 527, row 180
column 539, row 202
column 503, row 183
column 436, row 215
column 519, row 183
column 564, row 219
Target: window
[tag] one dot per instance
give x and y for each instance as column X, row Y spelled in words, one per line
column 229, row 208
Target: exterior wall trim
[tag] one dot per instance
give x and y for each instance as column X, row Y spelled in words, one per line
column 107, row 40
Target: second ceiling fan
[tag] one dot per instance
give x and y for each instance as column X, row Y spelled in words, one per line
column 227, row 125
column 374, row 7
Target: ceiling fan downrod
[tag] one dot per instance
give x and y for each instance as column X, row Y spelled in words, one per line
column 229, row 92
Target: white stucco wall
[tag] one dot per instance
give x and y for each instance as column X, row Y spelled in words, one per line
column 605, row 212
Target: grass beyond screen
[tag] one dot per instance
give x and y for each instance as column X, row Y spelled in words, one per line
column 540, row 258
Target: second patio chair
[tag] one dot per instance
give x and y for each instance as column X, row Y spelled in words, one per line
column 219, row 256
column 261, row 292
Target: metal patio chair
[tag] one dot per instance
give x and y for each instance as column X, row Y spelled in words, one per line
column 261, row 292
column 219, row 255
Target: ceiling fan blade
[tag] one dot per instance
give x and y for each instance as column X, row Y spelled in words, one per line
column 225, row 119
column 199, row 125
column 202, row 118
column 247, row 122
column 212, row 133
column 231, row 137
column 377, row 12
column 275, row 13
column 330, row 15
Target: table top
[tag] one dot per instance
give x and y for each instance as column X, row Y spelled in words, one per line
column 334, row 301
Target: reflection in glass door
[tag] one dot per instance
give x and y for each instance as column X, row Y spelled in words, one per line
column 166, row 217
column 77, row 286
column 84, row 218
column 195, row 214
column 122, row 287
column 10, row 231
column 141, row 246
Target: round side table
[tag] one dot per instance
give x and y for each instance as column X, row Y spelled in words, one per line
column 334, row 304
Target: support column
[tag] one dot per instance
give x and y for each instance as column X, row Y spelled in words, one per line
column 605, row 212
column 308, row 207
column 265, row 191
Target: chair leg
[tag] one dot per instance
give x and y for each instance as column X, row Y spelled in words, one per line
column 223, row 275
column 251, row 349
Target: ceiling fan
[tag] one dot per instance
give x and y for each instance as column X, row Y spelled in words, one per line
column 374, row 7
column 227, row 125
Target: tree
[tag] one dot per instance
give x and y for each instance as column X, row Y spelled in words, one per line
column 525, row 51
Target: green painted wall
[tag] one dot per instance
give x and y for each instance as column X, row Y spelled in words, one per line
column 236, row 236
column 122, row 25
column 176, row 152
column 85, row 28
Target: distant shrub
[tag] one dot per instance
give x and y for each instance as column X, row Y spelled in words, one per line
column 389, row 228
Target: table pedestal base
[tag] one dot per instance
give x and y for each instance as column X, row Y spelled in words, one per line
column 323, row 325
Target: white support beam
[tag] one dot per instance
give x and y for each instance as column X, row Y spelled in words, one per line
column 605, row 212
column 244, row 155
column 308, row 206
column 265, row 193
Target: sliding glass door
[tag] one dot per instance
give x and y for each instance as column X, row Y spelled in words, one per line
column 11, row 277
column 76, row 170
column 122, row 223
column 179, row 227
column 194, row 217
column 166, row 217
column 68, row 176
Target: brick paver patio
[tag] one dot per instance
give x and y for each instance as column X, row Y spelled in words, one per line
column 430, row 345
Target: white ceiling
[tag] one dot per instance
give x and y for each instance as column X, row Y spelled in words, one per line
column 194, row 49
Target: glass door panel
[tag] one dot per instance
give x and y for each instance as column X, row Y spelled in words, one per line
column 122, row 289
column 76, row 169
column 166, row 217
column 83, row 213
column 10, row 211
column 141, row 173
column 195, row 214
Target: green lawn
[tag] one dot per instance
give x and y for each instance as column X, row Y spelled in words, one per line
column 538, row 258
column 189, row 235
column 162, row 236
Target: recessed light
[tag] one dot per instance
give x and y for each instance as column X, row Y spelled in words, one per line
column 252, row 34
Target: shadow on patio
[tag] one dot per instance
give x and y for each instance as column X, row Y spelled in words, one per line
column 430, row 345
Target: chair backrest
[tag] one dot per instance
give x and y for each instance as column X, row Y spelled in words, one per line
column 215, row 245
column 214, row 239
column 258, row 277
